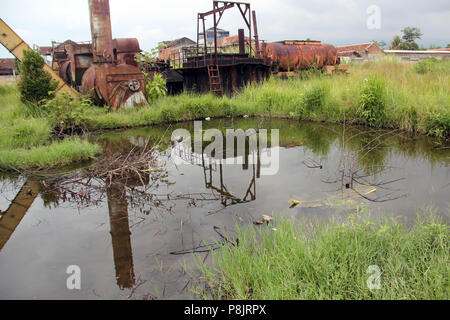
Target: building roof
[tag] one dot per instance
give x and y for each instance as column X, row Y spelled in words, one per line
column 178, row 42
column 218, row 30
column 439, row 52
column 45, row 51
column 443, row 49
column 7, row 63
column 357, row 49
column 231, row 41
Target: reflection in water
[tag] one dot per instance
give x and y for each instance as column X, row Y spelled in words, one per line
column 212, row 162
column 120, row 235
column 11, row 218
column 331, row 157
column 120, row 229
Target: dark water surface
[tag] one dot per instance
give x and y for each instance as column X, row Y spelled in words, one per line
column 122, row 239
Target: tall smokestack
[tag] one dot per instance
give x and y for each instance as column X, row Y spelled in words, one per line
column 102, row 45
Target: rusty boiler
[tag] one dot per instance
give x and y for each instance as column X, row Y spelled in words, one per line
column 114, row 78
column 300, row 55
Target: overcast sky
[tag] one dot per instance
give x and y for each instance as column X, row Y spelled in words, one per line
column 332, row 21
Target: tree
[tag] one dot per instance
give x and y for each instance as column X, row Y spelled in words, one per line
column 408, row 46
column 17, row 66
column 36, row 84
column 381, row 43
column 448, row 46
column 395, row 43
column 407, row 41
column 410, row 34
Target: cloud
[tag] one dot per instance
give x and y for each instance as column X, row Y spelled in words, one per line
column 336, row 22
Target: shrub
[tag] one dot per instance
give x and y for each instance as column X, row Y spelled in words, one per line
column 439, row 124
column 156, row 88
column 36, row 84
column 372, row 101
column 66, row 113
column 426, row 66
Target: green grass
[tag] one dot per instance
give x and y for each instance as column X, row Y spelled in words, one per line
column 56, row 154
column 317, row 261
column 26, row 140
column 23, row 133
column 387, row 93
column 410, row 100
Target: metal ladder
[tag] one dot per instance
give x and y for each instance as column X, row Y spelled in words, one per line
column 215, row 83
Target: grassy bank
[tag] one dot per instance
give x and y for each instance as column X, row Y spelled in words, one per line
column 26, row 139
column 387, row 93
column 332, row 262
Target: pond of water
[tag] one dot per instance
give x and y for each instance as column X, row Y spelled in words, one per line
column 127, row 239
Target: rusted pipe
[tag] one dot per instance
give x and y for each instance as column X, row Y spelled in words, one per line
column 255, row 26
column 102, row 44
column 241, row 41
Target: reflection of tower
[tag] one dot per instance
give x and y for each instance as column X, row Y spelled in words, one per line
column 120, row 234
column 10, row 219
column 226, row 196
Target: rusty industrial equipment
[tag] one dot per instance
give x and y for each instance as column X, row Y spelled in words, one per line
column 114, row 78
column 300, row 55
column 203, row 68
column 106, row 68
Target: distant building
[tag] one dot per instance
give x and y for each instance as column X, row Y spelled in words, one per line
column 419, row 55
column 173, row 50
column 443, row 49
column 362, row 51
column 232, row 41
column 7, row 67
column 221, row 34
column 46, row 54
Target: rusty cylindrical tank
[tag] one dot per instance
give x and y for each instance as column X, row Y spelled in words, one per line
column 300, row 55
column 114, row 78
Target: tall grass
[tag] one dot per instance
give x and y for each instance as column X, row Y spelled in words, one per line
column 315, row 261
column 411, row 101
column 404, row 95
column 26, row 140
column 56, row 154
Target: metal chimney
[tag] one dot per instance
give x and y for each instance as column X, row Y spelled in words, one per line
column 102, row 44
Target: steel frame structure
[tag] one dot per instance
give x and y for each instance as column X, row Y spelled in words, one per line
column 219, row 8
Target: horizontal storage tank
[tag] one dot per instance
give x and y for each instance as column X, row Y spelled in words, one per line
column 300, row 55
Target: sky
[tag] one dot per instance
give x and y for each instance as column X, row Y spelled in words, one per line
column 337, row 22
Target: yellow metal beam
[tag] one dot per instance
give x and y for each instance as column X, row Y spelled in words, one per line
column 17, row 210
column 16, row 45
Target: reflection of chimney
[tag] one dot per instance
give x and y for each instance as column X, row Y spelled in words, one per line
column 120, row 234
column 102, row 44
